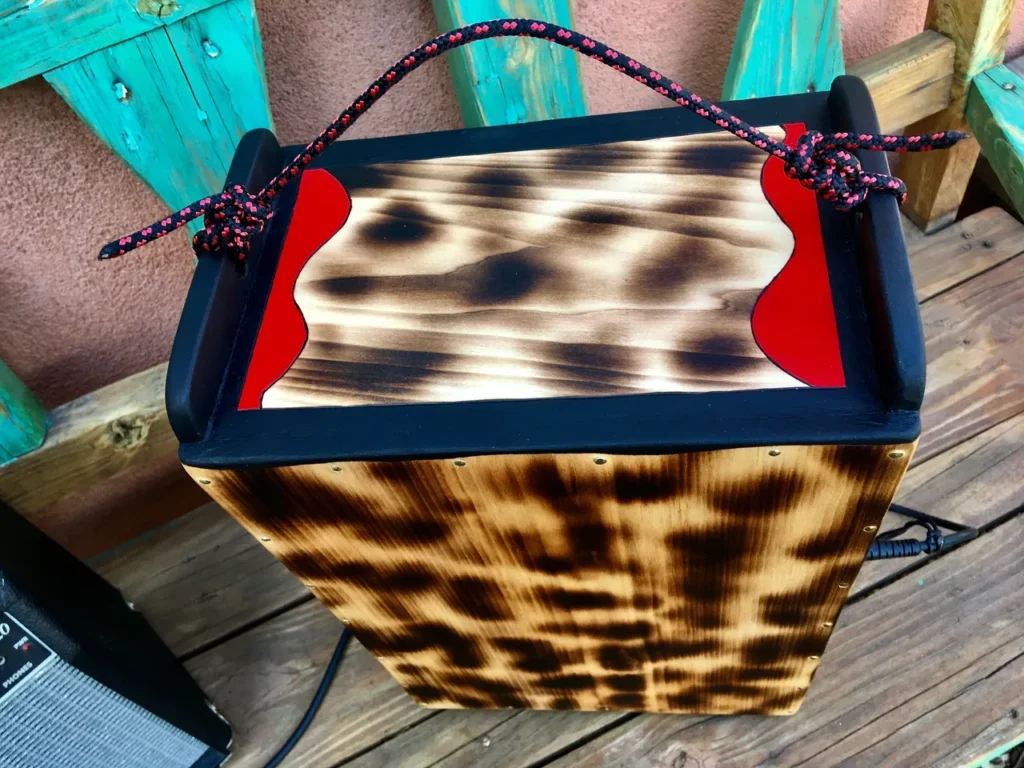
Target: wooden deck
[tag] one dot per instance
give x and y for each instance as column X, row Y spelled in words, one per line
column 926, row 666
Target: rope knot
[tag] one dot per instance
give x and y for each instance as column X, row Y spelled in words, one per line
column 826, row 164
column 232, row 219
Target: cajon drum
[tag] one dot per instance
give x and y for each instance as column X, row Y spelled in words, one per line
column 596, row 413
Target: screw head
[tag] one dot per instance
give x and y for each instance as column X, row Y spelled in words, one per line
column 813, row 657
column 121, row 92
column 870, row 528
column 264, row 538
column 336, row 468
column 345, row 622
column 211, row 50
column 897, row 454
column 204, row 481
column 1009, row 87
column 827, row 624
column 600, row 460
column 843, row 585
column 459, row 463
column 774, row 452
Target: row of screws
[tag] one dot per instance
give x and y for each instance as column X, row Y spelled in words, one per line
column 123, row 94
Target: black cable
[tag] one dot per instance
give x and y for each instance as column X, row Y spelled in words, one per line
column 314, row 705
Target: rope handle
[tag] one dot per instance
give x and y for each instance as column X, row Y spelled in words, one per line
column 822, row 162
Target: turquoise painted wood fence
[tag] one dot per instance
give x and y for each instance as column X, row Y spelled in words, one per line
column 498, row 82
column 784, row 46
column 22, row 418
column 995, row 113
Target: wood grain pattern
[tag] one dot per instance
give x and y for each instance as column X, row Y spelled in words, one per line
column 910, row 80
column 898, row 658
column 936, row 181
column 612, row 269
column 696, row 583
column 995, row 112
column 974, row 340
column 500, row 82
column 37, row 37
column 784, row 46
column 953, row 256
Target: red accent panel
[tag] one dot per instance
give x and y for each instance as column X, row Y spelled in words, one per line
column 321, row 209
column 794, row 321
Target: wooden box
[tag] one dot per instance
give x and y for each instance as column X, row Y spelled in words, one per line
column 597, row 413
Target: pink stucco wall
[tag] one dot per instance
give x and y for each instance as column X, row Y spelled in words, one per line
column 69, row 324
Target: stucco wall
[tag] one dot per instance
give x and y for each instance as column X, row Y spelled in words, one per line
column 69, row 324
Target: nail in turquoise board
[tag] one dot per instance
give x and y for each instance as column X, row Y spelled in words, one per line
column 784, row 46
column 516, row 80
column 173, row 102
column 22, row 418
column 995, row 113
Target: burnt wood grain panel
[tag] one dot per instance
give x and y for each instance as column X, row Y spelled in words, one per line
column 610, row 269
column 702, row 582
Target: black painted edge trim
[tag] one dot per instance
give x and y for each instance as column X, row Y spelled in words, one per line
column 888, row 284
column 213, row 307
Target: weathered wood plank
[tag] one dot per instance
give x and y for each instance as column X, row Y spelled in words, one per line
column 263, row 680
column 909, row 81
column 975, row 483
column 784, row 46
column 136, row 98
column 948, row 258
column 896, row 656
column 221, row 56
column 199, row 578
column 431, row 741
column 995, row 112
column 36, row 37
column 22, row 417
column 936, row 180
column 90, row 440
column 974, row 339
column 498, row 82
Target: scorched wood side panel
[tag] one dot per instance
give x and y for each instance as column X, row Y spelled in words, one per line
column 703, row 582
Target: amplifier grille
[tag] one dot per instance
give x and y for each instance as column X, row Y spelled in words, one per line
column 58, row 717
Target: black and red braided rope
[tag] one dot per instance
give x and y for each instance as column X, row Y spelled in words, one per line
column 820, row 162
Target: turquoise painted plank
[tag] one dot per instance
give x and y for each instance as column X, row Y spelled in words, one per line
column 514, row 80
column 39, row 35
column 174, row 102
column 135, row 97
column 221, row 54
column 784, row 46
column 995, row 114
column 22, row 418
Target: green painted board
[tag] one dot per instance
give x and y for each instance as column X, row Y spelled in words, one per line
column 515, row 80
column 995, row 113
column 39, row 35
column 22, row 418
column 167, row 101
column 784, row 46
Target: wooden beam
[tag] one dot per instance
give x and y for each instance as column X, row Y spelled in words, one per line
column 174, row 102
column 36, row 37
column 784, row 46
column 514, row 80
column 937, row 180
column 91, row 439
column 909, row 81
column 995, row 112
column 22, row 418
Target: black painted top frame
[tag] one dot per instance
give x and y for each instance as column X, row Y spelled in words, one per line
column 876, row 312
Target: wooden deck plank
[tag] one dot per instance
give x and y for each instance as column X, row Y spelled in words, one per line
column 961, row 251
column 199, row 578
column 974, row 337
column 895, row 657
column 975, row 483
column 262, row 682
